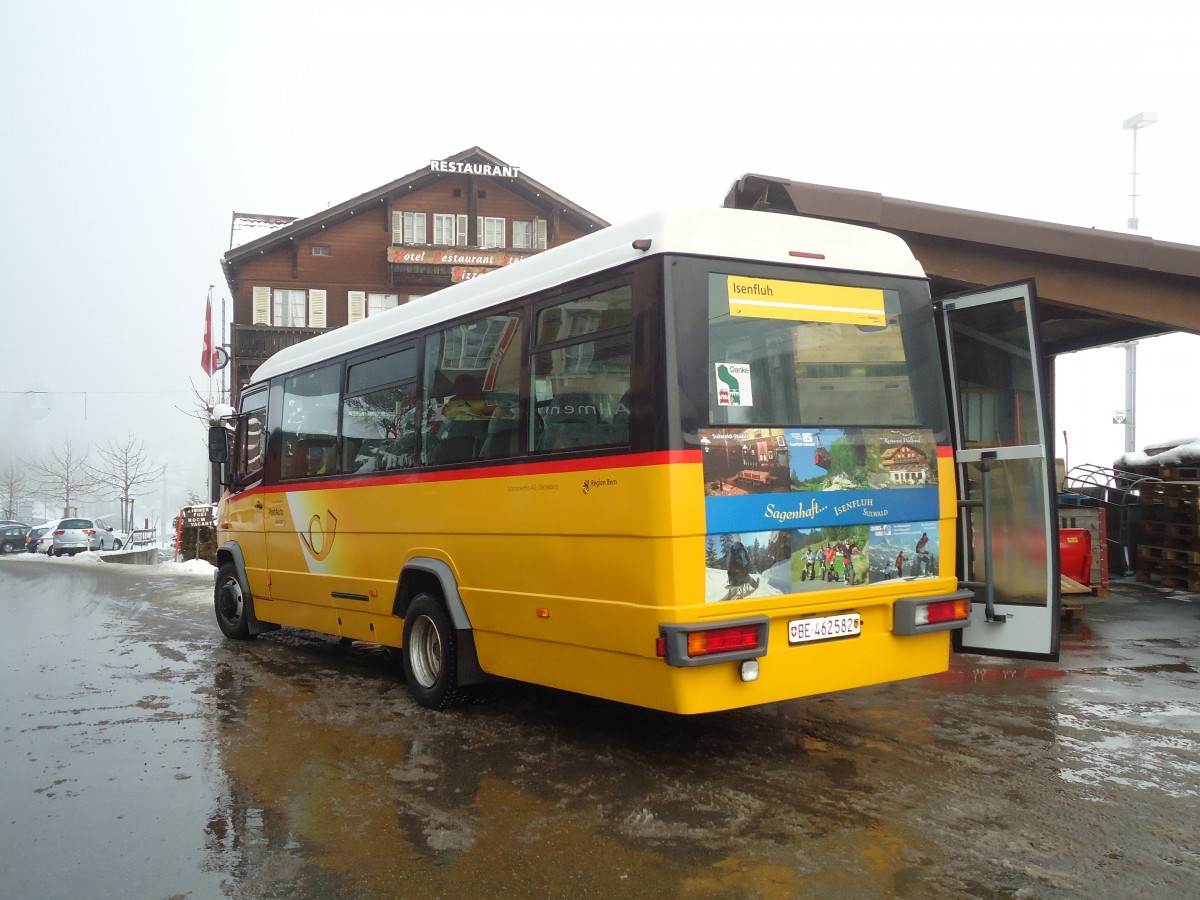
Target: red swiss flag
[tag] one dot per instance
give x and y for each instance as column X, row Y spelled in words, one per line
column 208, row 361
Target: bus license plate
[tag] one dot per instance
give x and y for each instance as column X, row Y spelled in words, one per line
column 824, row 628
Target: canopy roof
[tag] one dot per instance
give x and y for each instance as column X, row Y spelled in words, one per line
column 1094, row 287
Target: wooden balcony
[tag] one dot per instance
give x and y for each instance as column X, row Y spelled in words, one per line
column 253, row 344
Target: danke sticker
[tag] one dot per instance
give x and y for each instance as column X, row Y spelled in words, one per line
column 734, row 387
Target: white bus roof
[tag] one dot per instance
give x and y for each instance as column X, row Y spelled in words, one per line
column 710, row 231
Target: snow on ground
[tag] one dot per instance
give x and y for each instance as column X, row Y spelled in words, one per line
column 190, row 567
column 197, row 567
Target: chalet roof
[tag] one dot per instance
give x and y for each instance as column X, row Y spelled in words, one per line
column 521, row 185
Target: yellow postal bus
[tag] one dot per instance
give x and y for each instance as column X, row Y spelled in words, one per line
column 696, row 462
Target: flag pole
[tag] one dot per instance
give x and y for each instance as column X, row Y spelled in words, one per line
column 225, row 369
column 210, row 349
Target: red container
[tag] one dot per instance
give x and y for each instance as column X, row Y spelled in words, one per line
column 1075, row 554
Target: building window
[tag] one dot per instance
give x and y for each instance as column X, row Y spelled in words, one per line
column 322, row 250
column 414, row 228
column 529, row 234
column 289, row 308
column 491, row 232
column 377, row 303
column 443, row 229
column 408, row 228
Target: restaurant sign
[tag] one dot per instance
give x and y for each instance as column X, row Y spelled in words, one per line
column 467, row 168
column 452, row 257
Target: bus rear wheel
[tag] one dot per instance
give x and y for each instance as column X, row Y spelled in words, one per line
column 430, row 654
column 231, row 604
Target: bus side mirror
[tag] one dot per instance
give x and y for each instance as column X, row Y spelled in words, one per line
column 218, row 444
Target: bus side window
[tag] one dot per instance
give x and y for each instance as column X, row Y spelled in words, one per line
column 585, row 404
column 472, row 377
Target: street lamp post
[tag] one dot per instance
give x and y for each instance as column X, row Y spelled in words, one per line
column 1135, row 124
column 1130, row 396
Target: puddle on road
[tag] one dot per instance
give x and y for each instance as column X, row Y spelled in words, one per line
column 293, row 765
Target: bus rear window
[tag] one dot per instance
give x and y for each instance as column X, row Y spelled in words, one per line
column 792, row 353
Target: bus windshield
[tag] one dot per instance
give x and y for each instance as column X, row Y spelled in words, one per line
column 789, row 353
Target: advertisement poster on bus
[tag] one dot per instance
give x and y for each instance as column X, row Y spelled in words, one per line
column 793, row 510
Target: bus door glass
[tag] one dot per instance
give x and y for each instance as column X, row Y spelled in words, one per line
column 1008, row 529
column 244, row 506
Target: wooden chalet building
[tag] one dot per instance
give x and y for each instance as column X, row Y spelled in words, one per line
column 454, row 219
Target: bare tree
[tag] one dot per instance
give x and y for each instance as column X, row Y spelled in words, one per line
column 63, row 475
column 12, row 489
column 123, row 470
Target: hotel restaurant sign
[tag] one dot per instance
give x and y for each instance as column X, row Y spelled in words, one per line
column 465, row 263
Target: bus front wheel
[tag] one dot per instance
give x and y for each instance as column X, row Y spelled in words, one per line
column 231, row 604
column 430, row 655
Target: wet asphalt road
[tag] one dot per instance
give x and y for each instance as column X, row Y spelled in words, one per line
column 143, row 756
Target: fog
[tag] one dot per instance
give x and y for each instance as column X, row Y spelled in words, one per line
column 135, row 129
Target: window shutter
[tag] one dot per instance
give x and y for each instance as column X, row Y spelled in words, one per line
column 397, row 227
column 356, row 303
column 461, row 237
column 262, row 306
column 316, row 307
column 480, row 234
column 541, row 234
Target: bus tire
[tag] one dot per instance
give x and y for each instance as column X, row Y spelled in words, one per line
column 430, row 654
column 231, row 604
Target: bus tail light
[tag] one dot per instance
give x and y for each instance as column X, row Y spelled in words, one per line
column 944, row 611
column 703, row 644
column 721, row 640
column 919, row 615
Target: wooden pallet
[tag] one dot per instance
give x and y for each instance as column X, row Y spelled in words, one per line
column 1168, row 553
column 1179, row 473
column 1174, row 535
column 1152, row 554
column 1179, row 576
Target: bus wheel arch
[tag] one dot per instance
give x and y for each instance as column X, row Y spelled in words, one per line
column 425, row 576
column 231, row 588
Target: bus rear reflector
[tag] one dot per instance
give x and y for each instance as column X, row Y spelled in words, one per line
column 722, row 640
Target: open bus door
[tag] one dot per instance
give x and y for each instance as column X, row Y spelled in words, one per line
column 1008, row 530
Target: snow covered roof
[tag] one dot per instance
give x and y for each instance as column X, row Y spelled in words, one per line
column 1181, row 452
column 247, row 227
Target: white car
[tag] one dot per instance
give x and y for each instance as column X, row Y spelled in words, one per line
column 80, row 535
column 45, row 543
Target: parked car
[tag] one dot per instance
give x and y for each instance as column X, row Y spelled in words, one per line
column 79, row 535
column 34, row 535
column 4, row 522
column 114, row 540
column 12, row 538
column 45, row 543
